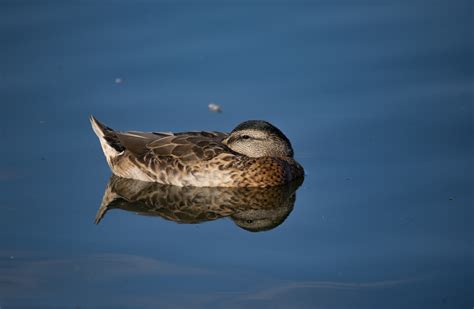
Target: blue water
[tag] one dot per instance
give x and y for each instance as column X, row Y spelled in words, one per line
column 376, row 99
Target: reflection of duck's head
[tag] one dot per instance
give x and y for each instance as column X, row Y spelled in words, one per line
column 258, row 138
column 259, row 220
column 253, row 209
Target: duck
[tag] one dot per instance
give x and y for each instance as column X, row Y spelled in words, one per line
column 254, row 154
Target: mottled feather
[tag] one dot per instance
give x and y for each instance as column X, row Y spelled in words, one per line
column 189, row 146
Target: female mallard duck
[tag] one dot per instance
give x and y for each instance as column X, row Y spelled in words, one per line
column 254, row 154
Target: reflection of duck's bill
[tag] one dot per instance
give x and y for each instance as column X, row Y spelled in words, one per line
column 253, row 209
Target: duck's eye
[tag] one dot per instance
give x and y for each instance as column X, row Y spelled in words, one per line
column 245, row 137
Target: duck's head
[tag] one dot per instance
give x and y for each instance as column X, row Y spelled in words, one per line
column 258, row 138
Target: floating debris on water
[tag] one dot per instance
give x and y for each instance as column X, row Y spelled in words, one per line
column 213, row 107
column 118, row 80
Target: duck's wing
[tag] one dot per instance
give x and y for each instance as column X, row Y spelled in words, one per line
column 186, row 146
column 136, row 142
column 115, row 142
column 189, row 146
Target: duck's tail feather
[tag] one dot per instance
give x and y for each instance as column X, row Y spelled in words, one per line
column 108, row 140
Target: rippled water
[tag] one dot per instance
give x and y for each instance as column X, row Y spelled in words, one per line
column 376, row 99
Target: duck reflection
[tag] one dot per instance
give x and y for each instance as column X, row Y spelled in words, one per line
column 253, row 209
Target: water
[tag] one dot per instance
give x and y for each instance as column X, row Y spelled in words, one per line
column 376, row 99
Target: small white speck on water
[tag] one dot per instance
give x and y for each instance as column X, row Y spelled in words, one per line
column 42, row 122
column 118, row 80
column 213, row 107
column 12, row 257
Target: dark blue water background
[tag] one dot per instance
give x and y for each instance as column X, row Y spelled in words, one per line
column 376, row 99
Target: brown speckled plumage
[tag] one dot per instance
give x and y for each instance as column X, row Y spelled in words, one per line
column 255, row 154
column 253, row 209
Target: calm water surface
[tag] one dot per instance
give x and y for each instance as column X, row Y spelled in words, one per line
column 377, row 100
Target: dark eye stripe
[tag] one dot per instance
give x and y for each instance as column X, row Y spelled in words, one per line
column 247, row 137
